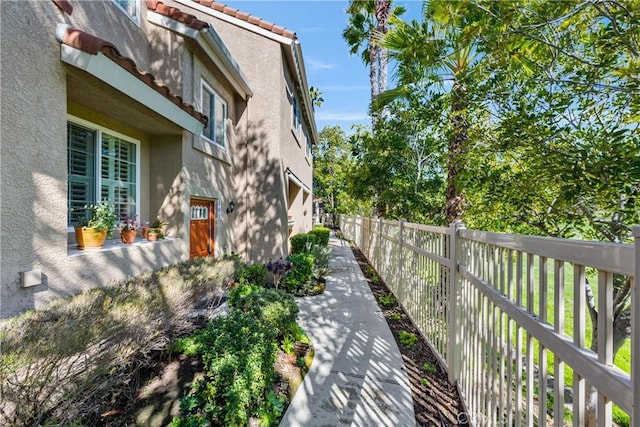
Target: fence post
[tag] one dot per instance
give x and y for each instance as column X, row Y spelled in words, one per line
column 635, row 330
column 379, row 266
column 401, row 262
column 454, row 302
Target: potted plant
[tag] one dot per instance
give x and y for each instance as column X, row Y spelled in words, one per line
column 155, row 230
column 128, row 229
column 94, row 227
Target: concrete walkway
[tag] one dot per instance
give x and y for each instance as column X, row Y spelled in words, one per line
column 357, row 377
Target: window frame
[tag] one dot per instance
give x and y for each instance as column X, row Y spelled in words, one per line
column 204, row 86
column 99, row 130
column 136, row 18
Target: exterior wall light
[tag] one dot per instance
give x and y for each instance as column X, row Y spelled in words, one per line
column 231, row 207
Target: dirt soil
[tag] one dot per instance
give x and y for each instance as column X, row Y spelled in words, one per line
column 435, row 401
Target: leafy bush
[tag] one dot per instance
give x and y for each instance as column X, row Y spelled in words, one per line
column 302, row 243
column 273, row 307
column 430, row 368
column 387, row 300
column 408, row 339
column 322, row 235
column 321, row 257
column 239, row 352
column 253, row 274
column 300, row 274
column 370, row 273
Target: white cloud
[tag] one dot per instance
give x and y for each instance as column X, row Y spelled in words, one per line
column 341, row 117
column 319, row 65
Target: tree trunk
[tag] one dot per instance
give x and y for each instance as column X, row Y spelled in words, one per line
column 373, row 75
column 382, row 18
column 457, row 146
column 621, row 332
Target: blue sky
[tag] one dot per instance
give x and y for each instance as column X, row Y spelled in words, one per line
column 342, row 78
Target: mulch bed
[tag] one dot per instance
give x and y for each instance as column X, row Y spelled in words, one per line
column 435, row 401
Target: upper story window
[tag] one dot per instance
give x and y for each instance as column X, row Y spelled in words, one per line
column 296, row 114
column 102, row 165
column 131, row 8
column 215, row 108
column 307, row 141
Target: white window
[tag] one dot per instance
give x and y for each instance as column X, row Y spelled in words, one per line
column 131, row 8
column 102, row 165
column 296, row 114
column 308, row 144
column 215, row 108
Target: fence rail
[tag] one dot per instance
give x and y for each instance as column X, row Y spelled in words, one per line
column 524, row 325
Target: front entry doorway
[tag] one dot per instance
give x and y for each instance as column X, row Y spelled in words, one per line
column 202, row 226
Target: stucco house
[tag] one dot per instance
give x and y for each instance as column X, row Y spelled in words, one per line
column 160, row 109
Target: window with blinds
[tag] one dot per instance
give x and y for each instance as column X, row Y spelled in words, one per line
column 108, row 174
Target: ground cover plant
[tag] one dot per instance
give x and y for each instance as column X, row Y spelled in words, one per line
column 82, row 360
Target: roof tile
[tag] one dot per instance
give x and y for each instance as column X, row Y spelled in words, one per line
column 93, row 45
column 243, row 16
column 65, row 6
column 175, row 13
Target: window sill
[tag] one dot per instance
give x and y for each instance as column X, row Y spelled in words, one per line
column 295, row 136
column 211, row 149
column 111, row 245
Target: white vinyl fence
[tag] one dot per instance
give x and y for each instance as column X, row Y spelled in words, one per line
column 514, row 304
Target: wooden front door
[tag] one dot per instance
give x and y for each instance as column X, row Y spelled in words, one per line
column 201, row 226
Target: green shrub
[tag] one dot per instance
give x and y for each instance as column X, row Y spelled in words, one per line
column 273, row 307
column 240, row 291
column 321, row 257
column 253, row 274
column 396, row 316
column 300, row 274
column 387, row 300
column 408, row 339
column 430, row 368
column 322, row 235
column 302, row 243
column 238, row 352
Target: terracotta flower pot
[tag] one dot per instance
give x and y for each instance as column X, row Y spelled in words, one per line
column 128, row 236
column 88, row 238
column 153, row 235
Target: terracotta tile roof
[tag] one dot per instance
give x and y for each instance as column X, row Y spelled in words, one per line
column 93, row 45
column 175, row 13
column 269, row 26
column 64, row 5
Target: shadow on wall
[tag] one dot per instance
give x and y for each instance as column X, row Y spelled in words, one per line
column 264, row 196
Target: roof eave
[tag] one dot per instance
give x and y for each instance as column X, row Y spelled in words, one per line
column 212, row 44
column 297, row 62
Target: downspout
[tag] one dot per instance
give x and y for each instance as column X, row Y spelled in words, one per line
column 247, row 187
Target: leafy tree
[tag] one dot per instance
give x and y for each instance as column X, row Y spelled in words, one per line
column 316, row 96
column 332, row 164
column 365, row 18
column 433, row 54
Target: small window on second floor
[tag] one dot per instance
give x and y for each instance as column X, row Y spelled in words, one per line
column 214, row 107
column 131, row 8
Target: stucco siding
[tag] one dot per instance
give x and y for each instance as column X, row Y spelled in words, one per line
column 38, row 93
